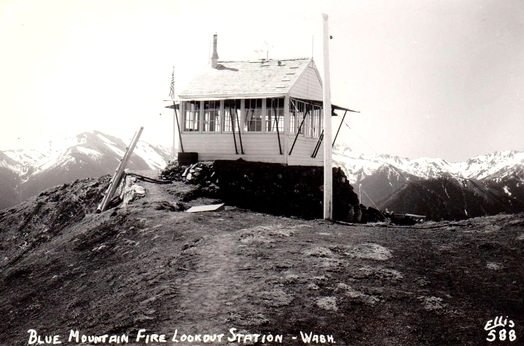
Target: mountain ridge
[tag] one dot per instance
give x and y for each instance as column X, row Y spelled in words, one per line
column 483, row 185
column 382, row 181
column 477, row 167
column 63, row 160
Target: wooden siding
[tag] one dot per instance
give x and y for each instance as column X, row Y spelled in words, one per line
column 308, row 86
column 301, row 155
column 261, row 147
column 216, row 146
column 212, row 143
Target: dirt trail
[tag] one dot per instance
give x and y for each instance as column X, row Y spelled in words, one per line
column 208, row 269
column 209, row 284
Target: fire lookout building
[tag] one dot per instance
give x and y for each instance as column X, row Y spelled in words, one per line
column 264, row 111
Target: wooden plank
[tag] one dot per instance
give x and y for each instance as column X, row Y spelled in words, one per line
column 119, row 173
column 308, row 86
column 203, row 208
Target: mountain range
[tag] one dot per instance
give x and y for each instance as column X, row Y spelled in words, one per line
column 24, row 173
column 482, row 185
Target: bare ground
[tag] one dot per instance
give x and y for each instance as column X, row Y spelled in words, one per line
column 149, row 267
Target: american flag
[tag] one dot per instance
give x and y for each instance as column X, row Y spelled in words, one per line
column 172, row 88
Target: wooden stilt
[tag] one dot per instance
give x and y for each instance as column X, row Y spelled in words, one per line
column 239, row 133
column 278, row 131
column 317, row 146
column 178, row 127
column 233, row 129
column 298, row 132
column 339, row 126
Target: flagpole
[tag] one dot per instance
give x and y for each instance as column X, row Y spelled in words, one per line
column 328, row 170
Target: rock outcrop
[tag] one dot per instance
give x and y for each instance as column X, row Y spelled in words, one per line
column 269, row 187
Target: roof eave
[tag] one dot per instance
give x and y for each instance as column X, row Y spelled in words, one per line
column 195, row 97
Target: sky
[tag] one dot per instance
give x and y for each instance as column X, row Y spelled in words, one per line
column 431, row 78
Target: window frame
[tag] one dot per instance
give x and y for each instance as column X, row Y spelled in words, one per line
column 212, row 116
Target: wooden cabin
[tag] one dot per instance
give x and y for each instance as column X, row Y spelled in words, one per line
column 265, row 111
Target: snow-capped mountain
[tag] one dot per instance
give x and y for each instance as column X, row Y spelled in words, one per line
column 491, row 166
column 482, row 185
column 89, row 154
column 92, row 145
column 496, row 165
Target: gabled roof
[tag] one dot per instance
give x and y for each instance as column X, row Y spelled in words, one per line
column 242, row 79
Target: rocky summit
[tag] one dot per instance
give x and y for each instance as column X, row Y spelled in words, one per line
column 149, row 273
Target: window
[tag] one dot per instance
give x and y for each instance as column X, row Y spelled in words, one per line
column 231, row 115
column 253, row 111
column 275, row 114
column 211, row 116
column 316, row 121
column 297, row 112
column 191, row 113
column 306, row 118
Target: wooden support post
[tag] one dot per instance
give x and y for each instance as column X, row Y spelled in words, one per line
column 298, row 132
column 173, row 148
column 119, row 173
column 328, row 170
column 175, row 119
column 233, row 129
column 239, row 132
column 179, row 133
column 278, row 131
column 286, row 128
column 269, row 121
column 317, row 146
column 339, row 126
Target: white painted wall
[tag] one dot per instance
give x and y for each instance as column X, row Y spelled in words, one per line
column 308, row 86
column 257, row 147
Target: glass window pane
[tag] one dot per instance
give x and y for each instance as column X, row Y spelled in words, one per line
column 191, row 116
column 253, row 115
column 211, row 116
column 275, row 114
